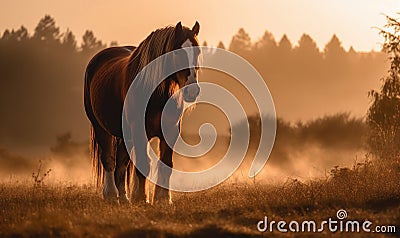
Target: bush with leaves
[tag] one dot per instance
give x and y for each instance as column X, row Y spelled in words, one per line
column 383, row 116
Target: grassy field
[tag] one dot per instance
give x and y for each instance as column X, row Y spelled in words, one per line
column 367, row 192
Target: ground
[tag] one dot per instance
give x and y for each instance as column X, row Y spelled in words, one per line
column 368, row 192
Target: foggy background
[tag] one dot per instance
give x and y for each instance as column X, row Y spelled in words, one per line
column 320, row 96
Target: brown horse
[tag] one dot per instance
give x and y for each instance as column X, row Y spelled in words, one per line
column 108, row 78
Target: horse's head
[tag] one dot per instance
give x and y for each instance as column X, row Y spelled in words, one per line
column 187, row 38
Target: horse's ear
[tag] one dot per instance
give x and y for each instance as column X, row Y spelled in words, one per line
column 178, row 29
column 196, row 28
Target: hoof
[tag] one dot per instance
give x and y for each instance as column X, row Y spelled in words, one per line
column 162, row 195
column 111, row 200
column 139, row 196
column 139, row 199
column 110, row 191
column 123, row 200
column 110, row 195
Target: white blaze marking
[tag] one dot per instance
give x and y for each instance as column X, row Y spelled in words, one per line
column 191, row 58
column 187, row 43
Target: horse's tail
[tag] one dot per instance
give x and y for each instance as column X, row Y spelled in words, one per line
column 95, row 63
column 97, row 168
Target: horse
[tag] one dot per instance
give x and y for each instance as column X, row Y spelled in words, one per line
column 108, row 77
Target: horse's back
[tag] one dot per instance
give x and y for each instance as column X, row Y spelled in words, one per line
column 104, row 75
column 105, row 56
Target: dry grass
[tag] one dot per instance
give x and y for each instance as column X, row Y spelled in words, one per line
column 367, row 191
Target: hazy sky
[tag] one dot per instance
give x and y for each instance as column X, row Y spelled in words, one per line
column 129, row 22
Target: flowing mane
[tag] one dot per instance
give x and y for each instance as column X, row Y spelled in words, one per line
column 159, row 42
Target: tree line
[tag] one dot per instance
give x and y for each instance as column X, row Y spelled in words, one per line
column 42, row 75
column 41, row 82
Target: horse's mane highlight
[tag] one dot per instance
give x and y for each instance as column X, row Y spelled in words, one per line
column 159, row 42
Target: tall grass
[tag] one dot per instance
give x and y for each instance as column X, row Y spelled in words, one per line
column 369, row 190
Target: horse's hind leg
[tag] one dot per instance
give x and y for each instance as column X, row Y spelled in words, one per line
column 120, row 170
column 107, row 156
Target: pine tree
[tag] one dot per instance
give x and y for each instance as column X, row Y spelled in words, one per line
column 221, row 45
column 334, row 49
column 284, row 44
column 46, row 30
column 90, row 43
column 241, row 42
column 69, row 40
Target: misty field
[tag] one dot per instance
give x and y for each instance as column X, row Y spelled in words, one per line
column 368, row 191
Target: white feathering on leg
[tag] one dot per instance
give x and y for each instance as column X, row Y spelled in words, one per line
column 110, row 190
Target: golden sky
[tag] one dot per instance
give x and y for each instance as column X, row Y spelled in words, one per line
column 129, row 22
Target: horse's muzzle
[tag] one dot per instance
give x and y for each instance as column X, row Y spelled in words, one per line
column 191, row 92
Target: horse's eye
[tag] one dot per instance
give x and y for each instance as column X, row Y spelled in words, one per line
column 187, row 72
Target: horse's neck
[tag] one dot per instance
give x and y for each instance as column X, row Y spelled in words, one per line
column 161, row 99
column 166, row 93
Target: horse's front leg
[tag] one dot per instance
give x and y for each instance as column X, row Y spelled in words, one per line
column 164, row 168
column 142, row 167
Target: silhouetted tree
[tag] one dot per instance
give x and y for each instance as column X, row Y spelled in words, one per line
column 89, row 43
column 267, row 43
column 241, row 42
column 69, row 40
column 384, row 114
column 352, row 50
column 284, row 54
column 19, row 35
column 221, row 45
column 307, row 47
column 308, row 59
column 46, row 30
column 284, row 44
column 268, row 48
column 113, row 43
column 353, row 56
column 334, row 49
column 6, row 35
